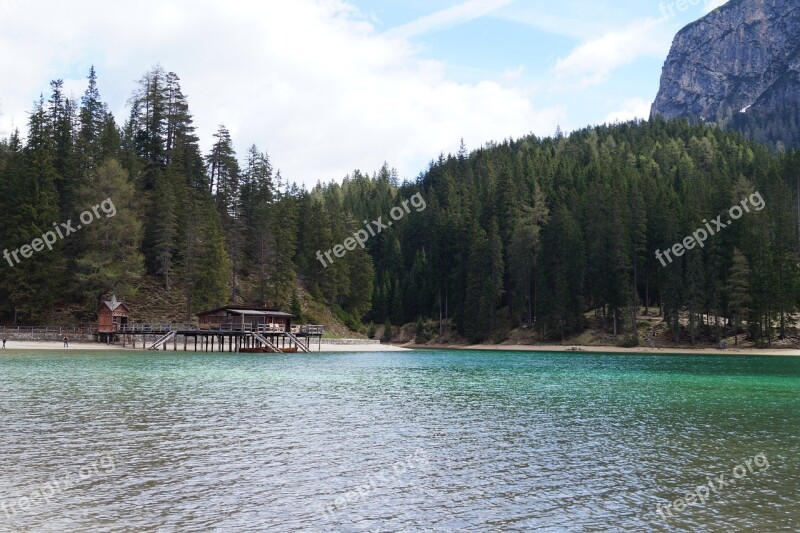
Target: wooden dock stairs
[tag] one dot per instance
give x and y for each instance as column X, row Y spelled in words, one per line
column 163, row 340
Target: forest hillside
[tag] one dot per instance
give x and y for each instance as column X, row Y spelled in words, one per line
column 544, row 234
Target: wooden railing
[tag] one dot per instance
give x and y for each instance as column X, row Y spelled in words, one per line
column 147, row 328
column 48, row 330
column 236, row 327
column 306, row 329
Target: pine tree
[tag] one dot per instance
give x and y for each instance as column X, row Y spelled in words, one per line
column 484, row 282
column 524, row 247
column 148, row 124
column 93, row 125
column 282, row 226
column 295, row 307
column 112, row 261
column 161, row 232
column 562, row 267
column 209, row 280
column 358, row 301
column 695, row 285
column 638, row 237
column 32, row 285
column 738, row 289
column 223, row 169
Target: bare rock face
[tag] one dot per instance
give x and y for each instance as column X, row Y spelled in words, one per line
column 741, row 59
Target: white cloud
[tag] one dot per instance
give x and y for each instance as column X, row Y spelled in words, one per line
column 632, row 108
column 515, row 73
column 451, row 16
column 592, row 62
column 311, row 81
column 567, row 18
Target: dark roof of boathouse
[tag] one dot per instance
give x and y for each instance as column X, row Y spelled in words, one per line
column 248, row 310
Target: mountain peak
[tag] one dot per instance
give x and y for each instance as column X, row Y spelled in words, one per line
column 742, row 58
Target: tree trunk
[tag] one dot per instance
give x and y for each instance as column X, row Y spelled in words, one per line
column 798, row 212
column 530, row 307
column 440, row 312
column 534, row 297
column 634, row 299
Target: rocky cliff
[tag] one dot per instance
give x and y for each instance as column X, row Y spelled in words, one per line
column 738, row 66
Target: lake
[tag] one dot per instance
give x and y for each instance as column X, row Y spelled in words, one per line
column 418, row 441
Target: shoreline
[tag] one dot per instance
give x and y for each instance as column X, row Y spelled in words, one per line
column 555, row 348
column 14, row 346
column 19, row 346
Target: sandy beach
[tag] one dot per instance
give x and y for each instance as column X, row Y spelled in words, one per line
column 12, row 345
column 615, row 349
column 360, row 348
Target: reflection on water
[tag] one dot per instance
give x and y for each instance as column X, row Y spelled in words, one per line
column 427, row 441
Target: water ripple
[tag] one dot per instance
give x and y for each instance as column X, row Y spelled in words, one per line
column 436, row 441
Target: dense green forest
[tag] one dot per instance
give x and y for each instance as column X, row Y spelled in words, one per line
column 774, row 125
column 534, row 232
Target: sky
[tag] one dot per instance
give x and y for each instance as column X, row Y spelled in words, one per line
column 330, row 86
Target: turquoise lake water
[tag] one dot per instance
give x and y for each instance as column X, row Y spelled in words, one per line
column 420, row 441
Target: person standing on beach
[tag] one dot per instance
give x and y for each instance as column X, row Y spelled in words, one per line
column 66, row 342
column 4, row 344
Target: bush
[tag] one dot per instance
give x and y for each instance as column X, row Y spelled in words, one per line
column 296, row 310
column 352, row 323
column 630, row 341
column 316, row 293
column 423, row 334
column 387, row 333
column 372, row 330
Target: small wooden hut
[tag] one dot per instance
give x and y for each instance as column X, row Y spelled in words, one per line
column 112, row 316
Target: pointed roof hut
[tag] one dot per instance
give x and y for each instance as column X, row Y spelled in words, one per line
column 112, row 315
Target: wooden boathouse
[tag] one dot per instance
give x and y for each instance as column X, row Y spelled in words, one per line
column 111, row 315
column 241, row 328
column 240, row 317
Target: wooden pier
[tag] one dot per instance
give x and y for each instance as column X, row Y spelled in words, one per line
column 232, row 339
column 237, row 328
